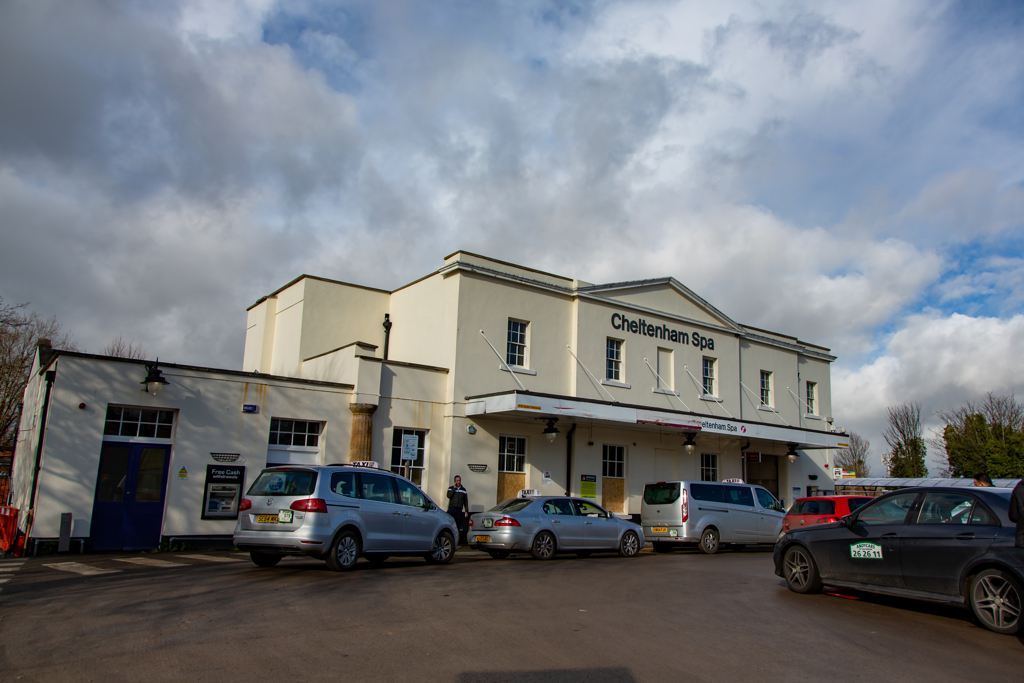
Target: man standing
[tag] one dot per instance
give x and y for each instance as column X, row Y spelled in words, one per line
column 458, row 507
column 1017, row 511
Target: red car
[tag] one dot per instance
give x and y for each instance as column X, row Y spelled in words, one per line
column 821, row 510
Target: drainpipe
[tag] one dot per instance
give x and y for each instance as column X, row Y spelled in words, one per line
column 51, row 375
column 568, row 459
column 387, row 333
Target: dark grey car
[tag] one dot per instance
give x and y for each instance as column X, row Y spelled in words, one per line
column 953, row 545
column 339, row 514
column 545, row 526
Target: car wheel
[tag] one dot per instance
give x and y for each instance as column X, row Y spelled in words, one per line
column 583, row 553
column 376, row 558
column 264, row 559
column 662, row 547
column 344, row 552
column 800, row 570
column 498, row 554
column 996, row 601
column 629, row 546
column 443, row 550
column 543, row 546
column 709, row 541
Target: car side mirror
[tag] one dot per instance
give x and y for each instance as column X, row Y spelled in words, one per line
column 846, row 521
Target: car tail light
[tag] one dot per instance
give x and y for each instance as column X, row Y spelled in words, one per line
column 685, row 507
column 246, row 504
column 471, row 521
column 827, row 520
column 310, row 505
column 506, row 521
column 785, row 523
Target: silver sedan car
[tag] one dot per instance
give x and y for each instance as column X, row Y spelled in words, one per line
column 544, row 526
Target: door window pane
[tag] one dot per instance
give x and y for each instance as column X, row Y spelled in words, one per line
column 377, row 487
column 344, row 484
column 113, row 474
column 982, row 517
column 946, row 508
column 767, row 500
column 558, row 507
column 739, row 495
column 138, row 422
column 613, row 461
column 151, row 475
column 409, row 494
column 889, row 511
column 415, row 467
column 585, row 509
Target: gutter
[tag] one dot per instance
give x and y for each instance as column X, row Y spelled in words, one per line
column 51, row 376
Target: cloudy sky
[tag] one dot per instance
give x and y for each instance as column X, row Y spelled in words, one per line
column 849, row 172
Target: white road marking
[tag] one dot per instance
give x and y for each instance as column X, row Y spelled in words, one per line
column 148, row 561
column 12, row 568
column 79, row 568
column 4, row 579
column 212, row 558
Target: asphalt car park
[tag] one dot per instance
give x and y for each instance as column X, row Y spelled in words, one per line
column 654, row 617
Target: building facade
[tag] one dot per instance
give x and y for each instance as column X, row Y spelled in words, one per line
column 633, row 382
column 507, row 376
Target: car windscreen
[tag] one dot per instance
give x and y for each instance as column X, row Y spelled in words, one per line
column 857, row 503
column 511, row 505
column 711, row 493
column 661, row 493
column 813, row 507
column 283, row 483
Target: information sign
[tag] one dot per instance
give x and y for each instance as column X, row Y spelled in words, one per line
column 410, row 444
column 588, row 487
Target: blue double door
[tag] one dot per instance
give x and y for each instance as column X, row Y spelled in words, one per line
column 128, row 509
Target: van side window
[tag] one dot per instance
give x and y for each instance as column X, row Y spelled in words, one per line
column 377, row 487
column 739, row 495
column 767, row 500
column 344, row 484
column 711, row 493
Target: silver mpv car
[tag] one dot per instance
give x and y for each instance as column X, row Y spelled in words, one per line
column 338, row 514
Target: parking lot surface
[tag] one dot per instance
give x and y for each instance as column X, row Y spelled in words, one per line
column 676, row 617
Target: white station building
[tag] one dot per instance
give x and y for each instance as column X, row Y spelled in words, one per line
column 510, row 377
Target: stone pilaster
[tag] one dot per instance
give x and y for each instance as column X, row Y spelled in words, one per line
column 362, row 431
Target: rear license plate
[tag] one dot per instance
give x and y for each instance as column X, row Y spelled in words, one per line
column 659, row 529
column 483, row 539
column 266, row 519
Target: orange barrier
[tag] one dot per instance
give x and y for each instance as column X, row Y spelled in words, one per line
column 8, row 527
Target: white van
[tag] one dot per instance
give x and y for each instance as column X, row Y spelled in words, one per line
column 709, row 514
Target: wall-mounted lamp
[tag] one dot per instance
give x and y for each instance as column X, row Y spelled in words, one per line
column 689, row 445
column 154, row 379
column 551, row 431
column 791, row 453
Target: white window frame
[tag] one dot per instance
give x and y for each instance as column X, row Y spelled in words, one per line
column 811, row 398
column 709, row 379
column 709, row 466
column 415, row 470
column 503, row 455
column 522, row 348
column 617, row 461
column 282, row 453
column 767, row 393
column 139, row 439
column 613, row 363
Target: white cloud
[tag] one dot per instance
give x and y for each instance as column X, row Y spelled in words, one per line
column 939, row 361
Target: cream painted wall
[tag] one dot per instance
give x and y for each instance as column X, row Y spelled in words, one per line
column 782, row 363
column 512, row 269
column 259, row 336
column 424, row 317
column 595, row 327
column 487, row 304
column 208, row 419
column 815, row 370
column 663, row 297
column 340, row 314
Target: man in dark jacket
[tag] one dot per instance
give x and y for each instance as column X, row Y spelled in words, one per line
column 1017, row 511
column 458, row 507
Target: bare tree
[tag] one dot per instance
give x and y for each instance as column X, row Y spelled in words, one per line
column 855, row 456
column 906, row 443
column 119, row 348
column 19, row 332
